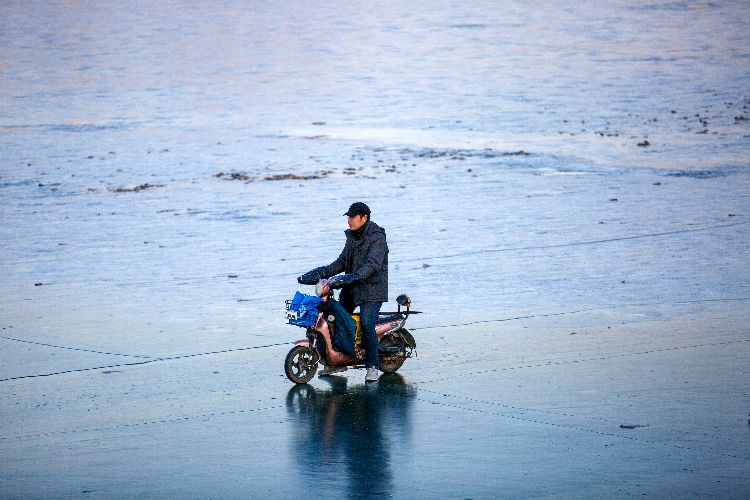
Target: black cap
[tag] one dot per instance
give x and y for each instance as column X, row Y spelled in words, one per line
column 358, row 208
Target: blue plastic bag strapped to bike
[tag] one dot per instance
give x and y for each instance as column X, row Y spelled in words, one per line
column 302, row 310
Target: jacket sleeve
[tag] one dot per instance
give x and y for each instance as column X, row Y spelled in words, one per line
column 338, row 265
column 375, row 258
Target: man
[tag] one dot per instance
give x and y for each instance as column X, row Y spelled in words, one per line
column 364, row 261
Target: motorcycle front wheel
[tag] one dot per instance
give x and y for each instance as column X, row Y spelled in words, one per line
column 300, row 364
column 391, row 354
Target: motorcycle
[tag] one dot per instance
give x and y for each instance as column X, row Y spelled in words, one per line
column 395, row 343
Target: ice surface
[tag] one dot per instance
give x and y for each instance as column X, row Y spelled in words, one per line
column 572, row 281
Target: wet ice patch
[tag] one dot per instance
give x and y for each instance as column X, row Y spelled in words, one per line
column 459, row 140
column 25, row 182
column 556, row 173
column 699, row 174
column 469, row 26
column 69, row 127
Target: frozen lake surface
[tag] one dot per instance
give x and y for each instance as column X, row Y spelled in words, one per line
column 566, row 192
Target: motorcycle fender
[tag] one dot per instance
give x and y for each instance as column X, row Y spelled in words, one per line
column 408, row 338
column 303, row 342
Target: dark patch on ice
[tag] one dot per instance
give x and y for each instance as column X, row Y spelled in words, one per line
column 234, row 215
column 698, row 174
column 462, row 154
column 272, row 136
column 292, row 177
column 244, row 177
column 469, row 26
column 25, row 182
column 678, row 6
column 136, row 189
column 69, row 127
column 234, row 176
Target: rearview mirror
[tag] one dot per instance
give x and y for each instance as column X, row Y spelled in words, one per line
column 403, row 300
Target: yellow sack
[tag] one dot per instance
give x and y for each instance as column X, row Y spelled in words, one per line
column 358, row 333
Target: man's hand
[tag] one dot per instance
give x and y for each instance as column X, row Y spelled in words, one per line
column 343, row 280
column 311, row 277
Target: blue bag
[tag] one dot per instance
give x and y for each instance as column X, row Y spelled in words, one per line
column 303, row 310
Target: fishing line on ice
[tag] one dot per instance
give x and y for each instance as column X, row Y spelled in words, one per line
column 599, row 308
column 197, row 279
column 137, row 363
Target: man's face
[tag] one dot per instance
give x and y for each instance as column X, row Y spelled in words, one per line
column 357, row 221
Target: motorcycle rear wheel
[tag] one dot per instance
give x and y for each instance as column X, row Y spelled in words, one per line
column 391, row 354
column 300, row 364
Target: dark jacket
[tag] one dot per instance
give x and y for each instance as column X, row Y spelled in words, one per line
column 365, row 253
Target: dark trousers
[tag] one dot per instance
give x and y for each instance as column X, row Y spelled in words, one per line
column 368, row 313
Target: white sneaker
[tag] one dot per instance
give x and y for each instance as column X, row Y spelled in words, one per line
column 372, row 374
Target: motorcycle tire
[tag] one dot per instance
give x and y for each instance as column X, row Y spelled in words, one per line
column 300, row 364
column 391, row 353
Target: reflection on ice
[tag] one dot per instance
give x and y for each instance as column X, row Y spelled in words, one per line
column 348, row 439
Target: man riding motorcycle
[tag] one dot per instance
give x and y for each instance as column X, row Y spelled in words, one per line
column 364, row 260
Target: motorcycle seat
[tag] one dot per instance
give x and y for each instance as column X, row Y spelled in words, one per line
column 383, row 318
column 388, row 319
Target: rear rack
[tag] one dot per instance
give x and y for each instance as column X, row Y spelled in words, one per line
column 407, row 312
